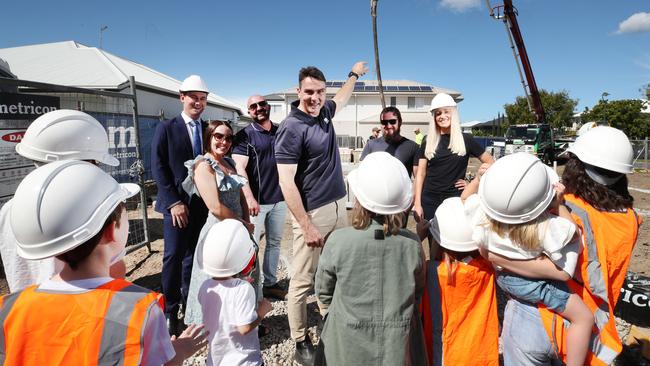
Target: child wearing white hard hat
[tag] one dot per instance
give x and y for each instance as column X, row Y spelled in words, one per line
column 514, row 219
column 227, row 301
column 371, row 275
column 597, row 195
column 459, row 308
column 74, row 211
column 63, row 134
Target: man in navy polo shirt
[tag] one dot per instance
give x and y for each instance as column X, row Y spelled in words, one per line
column 254, row 154
column 312, row 184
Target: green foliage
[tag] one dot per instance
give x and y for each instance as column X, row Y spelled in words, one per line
column 558, row 107
column 624, row 114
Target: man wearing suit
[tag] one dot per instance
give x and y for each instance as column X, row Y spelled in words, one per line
column 176, row 141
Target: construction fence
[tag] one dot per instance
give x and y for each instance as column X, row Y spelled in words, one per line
column 641, row 154
column 21, row 102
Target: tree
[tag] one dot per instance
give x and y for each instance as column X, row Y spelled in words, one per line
column 558, row 107
column 645, row 91
column 624, row 114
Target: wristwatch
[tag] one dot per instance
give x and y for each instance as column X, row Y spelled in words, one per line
column 352, row 73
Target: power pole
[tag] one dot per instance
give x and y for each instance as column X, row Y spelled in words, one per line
column 101, row 35
column 373, row 13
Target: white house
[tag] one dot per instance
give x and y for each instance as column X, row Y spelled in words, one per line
column 73, row 64
column 356, row 120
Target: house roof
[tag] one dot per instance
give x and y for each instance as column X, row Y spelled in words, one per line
column 372, row 87
column 408, row 117
column 74, row 64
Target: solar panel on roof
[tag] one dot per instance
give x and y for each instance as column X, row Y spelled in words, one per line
column 359, row 83
column 337, row 83
column 328, row 83
column 414, row 88
column 403, row 88
column 426, row 88
column 391, row 88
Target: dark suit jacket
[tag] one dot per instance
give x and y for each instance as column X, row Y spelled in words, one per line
column 170, row 149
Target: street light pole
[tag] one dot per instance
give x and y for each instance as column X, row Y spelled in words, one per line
column 101, row 35
column 602, row 99
column 602, row 96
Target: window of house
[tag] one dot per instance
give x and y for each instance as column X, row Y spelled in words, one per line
column 416, row 103
column 276, row 108
column 393, row 101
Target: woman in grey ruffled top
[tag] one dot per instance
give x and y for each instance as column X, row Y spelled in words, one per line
column 213, row 177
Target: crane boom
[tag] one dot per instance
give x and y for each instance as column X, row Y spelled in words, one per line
column 509, row 16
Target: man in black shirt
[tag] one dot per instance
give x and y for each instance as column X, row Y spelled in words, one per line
column 393, row 142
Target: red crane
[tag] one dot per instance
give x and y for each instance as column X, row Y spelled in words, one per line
column 508, row 14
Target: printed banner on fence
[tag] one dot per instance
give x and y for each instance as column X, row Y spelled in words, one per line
column 26, row 106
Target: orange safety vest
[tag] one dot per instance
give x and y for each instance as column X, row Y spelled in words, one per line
column 102, row 326
column 607, row 239
column 460, row 321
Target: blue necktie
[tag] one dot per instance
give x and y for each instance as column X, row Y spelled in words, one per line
column 196, row 138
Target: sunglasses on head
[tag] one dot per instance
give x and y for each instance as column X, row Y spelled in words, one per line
column 385, row 122
column 261, row 104
column 221, row 136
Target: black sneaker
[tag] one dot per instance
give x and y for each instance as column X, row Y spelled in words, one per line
column 262, row 331
column 175, row 325
column 305, row 352
column 274, row 292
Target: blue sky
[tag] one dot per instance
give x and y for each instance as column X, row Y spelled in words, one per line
column 586, row 47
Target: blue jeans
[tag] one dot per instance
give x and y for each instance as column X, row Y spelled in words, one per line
column 524, row 339
column 553, row 294
column 271, row 218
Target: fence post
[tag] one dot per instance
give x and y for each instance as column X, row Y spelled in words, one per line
column 645, row 154
column 138, row 161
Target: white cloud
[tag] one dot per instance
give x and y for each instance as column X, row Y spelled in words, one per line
column 642, row 64
column 639, row 22
column 460, row 5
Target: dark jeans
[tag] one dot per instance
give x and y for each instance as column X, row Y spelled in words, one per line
column 179, row 254
column 430, row 202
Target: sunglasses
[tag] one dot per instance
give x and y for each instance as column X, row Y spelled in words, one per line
column 221, row 136
column 385, row 122
column 261, row 104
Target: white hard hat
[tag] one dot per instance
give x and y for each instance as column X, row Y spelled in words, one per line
column 61, row 205
column 194, row 83
column 66, row 134
column 517, row 188
column 451, row 227
column 605, row 147
column 381, row 184
column 442, row 100
column 226, row 250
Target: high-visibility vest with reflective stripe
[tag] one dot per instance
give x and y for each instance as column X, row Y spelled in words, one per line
column 608, row 240
column 103, row 326
column 460, row 321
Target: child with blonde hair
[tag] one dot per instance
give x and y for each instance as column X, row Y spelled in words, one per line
column 519, row 214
